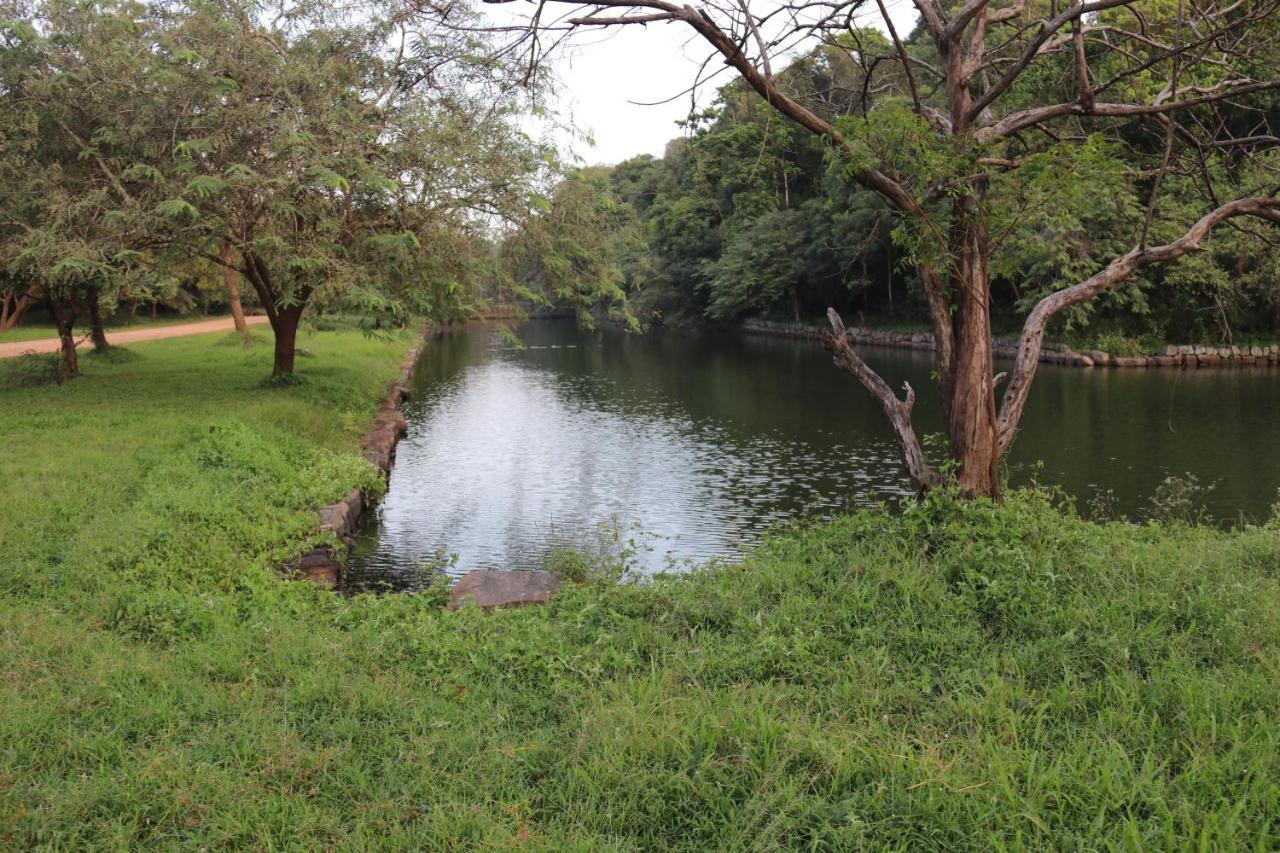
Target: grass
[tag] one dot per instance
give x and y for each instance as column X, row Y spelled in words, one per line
column 955, row 677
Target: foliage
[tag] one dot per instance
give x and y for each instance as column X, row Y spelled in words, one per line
column 579, row 251
column 749, row 216
column 336, row 157
column 955, row 676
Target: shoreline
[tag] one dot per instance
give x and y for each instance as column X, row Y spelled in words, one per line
column 1181, row 356
column 321, row 565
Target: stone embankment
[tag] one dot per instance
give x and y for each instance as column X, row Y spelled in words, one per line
column 1168, row 356
column 323, row 566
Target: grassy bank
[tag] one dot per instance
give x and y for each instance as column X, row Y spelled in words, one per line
column 953, row 678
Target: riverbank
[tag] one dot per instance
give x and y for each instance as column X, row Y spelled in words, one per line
column 958, row 677
column 1170, row 355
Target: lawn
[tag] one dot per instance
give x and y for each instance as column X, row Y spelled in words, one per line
column 953, row 677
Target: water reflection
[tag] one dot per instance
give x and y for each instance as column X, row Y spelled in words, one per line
column 705, row 441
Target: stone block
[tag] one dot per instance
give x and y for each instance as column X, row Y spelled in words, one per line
column 488, row 588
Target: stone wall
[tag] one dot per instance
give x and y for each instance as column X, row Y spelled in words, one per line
column 1169, row 356
column 322, row 566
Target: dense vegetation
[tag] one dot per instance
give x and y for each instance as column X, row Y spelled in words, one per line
column 999, row 136
column 328, row 156
column 958, row 677
column 748, row 215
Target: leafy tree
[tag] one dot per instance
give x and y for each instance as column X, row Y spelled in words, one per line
column 334, row 170
column 578, row 251
column 329, row 155
column 74, row 225
column 981, row 105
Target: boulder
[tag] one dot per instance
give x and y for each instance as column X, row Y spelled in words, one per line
column 1099, row 357
column 320, row 567
column 488, row 588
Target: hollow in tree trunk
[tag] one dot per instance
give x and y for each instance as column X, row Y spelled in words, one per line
column 233, row 291
column 97, row 328
column 64, row 316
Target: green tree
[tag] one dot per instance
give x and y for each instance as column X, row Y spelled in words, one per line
column 985, row 92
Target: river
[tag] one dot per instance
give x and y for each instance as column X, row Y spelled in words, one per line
column 693, row 445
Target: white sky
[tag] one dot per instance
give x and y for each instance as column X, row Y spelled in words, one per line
column 610, row 80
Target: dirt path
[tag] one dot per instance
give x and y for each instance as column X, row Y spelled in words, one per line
column 225, row 324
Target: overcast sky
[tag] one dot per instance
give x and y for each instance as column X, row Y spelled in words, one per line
column 617, row 84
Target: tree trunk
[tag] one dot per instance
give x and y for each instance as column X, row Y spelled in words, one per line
column 285, row 326
column 969, row 400
column 284, row 320
column 97, row 328
column 65, row 318
column 233, row 292
column 14, row 305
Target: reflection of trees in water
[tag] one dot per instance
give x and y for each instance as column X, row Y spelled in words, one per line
column 708, row 440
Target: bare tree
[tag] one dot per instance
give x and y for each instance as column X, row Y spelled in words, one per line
column 972, row 60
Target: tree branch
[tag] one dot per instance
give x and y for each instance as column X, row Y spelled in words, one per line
column 1025, row 118
column 1033, row 330
column 898, row 411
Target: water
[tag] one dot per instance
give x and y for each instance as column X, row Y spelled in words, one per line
column 706, row 441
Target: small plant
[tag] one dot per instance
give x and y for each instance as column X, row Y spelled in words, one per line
column 606, row 552
column 284, row 380
column 32, row 369
column 1178, row 499
column 1103, row 505
column 438, row 584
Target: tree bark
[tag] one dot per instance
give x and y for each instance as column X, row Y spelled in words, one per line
column 65, row 318
column 284, row 320
column 898, row 411
column 233, row 291
column 969, row 405
column 285, row 326
column 97, row 328
column 14, row 305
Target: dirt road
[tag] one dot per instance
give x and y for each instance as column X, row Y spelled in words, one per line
column 224, row 324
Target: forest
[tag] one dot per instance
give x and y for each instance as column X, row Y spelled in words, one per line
column 196, row 156
column 749, row 215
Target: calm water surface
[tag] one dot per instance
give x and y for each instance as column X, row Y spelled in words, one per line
column 696, row 444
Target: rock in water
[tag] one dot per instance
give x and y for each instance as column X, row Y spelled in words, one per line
column 487, row 589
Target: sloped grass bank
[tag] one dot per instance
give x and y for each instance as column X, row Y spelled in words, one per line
column 956, row 677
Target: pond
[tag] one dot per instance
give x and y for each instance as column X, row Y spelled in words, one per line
column 693, row 445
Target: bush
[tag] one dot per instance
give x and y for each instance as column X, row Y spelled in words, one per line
column 33, row 369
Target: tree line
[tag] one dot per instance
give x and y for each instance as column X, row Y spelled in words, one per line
column 746, row 216
column 320, row 155
column 1033, row 162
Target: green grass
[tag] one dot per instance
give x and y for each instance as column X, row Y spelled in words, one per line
column 117, row 324
column 957, row 677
